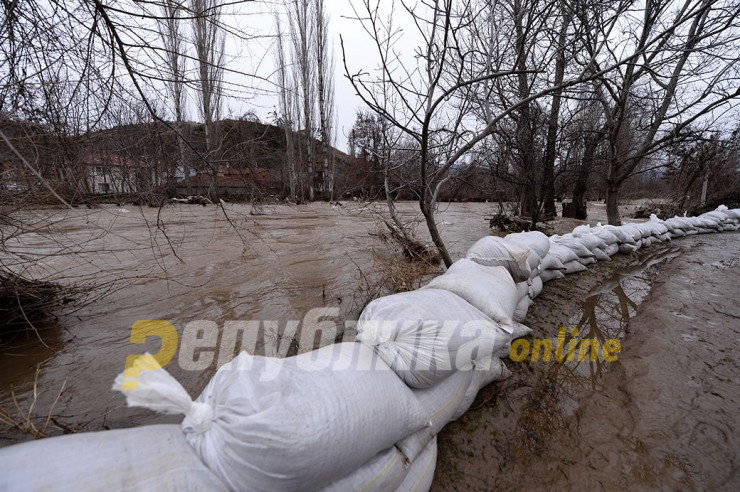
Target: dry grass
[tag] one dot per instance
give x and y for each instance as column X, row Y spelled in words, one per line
column 404, row 265
column 25, row 421
column 411, row 248
column 664, row 209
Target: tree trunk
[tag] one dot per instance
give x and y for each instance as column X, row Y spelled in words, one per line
column 427, row 208
column 612, row 203
column 580, row 200
column 704, row 187
column 548, row 185
column 525, row 138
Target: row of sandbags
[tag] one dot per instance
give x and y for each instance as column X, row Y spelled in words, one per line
column 572, row 253
column 337, row 418
column 351, row 416
column 474, row 309
column 446, row 340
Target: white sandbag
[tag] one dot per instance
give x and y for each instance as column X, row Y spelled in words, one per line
column 675, row 224
column 734, row 213
column 703, row 223
column 587, row 261
column 551, row 262
column 575, row 246
column 686, row 223
column 633, row 231
column 489, row 289
column 427, row 334
column 520, row 330
column 622, row 236
column 149, row 458
column 421, row 472
column 439, row 405
column 534, row 240
column 626, row 249
column 259, row 422
column 522, row 289
column 503, row 352
column 562, row 253
column 659, row 225
column 612, row 249
column 548, row 275
column 591, row 242
column 709, row 217
column 665, row 238
column 451, row 398
column 651, row 229
column 574, row 266
column 581, row 230
column 521, row 309
column 494, row 251
column 606, row 235
column 720, row 216
column 668, row 225
column 536, row 288
column 534, row 261
column 676, row 232
column 601, row 254
column 386, row 471
column 486, row 371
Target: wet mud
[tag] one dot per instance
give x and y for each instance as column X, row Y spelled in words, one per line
column 662, row 416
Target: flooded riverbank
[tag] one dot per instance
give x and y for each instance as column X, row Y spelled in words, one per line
column 662, row 416
column 187, row 263
column 201, row 265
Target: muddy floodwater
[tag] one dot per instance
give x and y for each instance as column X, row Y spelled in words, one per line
column 187, row 263
column 663, row 415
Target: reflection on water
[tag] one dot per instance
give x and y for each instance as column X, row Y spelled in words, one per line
column 605, row 315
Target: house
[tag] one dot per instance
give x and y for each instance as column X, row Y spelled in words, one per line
column 16, row 178
column 106, row 172
column 229, row 181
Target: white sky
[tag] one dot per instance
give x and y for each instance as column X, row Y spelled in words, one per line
column 256, row 57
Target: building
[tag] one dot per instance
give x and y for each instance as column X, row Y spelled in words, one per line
column 15, row 177
column 229, row 181
column 110, row 173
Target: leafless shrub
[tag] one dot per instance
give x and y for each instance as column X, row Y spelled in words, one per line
column 26, row 420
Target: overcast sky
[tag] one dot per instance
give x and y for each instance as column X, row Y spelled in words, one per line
column 257, row 57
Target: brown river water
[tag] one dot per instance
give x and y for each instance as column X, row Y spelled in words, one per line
column 275, row 266
column 650, row 420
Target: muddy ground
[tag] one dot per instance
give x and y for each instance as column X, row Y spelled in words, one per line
column 663, row 416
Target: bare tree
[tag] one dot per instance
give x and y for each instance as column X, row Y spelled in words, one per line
column 457, row 69
column 209, row 43
column 324, row 90
column 286, row 91
column 172, row 39
column 687, row 68
column 554, row 118
column 302, row 35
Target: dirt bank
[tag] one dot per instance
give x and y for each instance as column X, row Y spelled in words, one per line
column 663, row 416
